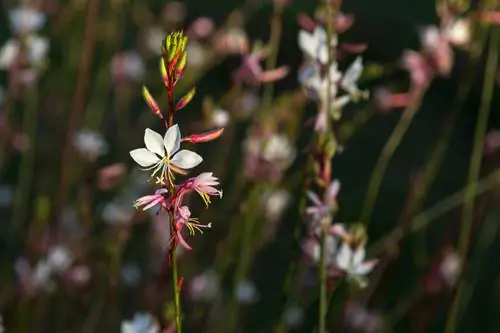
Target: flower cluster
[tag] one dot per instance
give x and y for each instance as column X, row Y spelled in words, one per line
column 163, row 157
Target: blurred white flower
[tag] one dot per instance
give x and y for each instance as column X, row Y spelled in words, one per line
column 25, row 20
column 458, row 32
column 351, row 77
column 130, row 274
column 247, row 103
column 315, row 45
column 450, row 268
column 275, row 203
column 140, row 323
column 204, row 287
column 220, row 118
column 154, row 39
column 278, row 148
column 293, row 316
column 246, row 293
column 197, row 55
column 128, row 66
column 59, row 258
column 37, row 48
column 90, row 143
column 41, row 277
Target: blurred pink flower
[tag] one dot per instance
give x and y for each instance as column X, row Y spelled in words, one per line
column 231, row 41
column 386, row 100
column 174, row 12
column 110, row 176
column 151, row 200
column 251, row 71
column 324, row 207
column 201, row 28
column 492, row 142
column 421, row 70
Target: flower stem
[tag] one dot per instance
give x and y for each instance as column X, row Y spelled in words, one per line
column 171, row 215
column 323, row 297
column 27, row 162
column 475, row 163
column 274, row 43
column 386, row 155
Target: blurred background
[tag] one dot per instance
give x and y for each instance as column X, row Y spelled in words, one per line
column 76, row 256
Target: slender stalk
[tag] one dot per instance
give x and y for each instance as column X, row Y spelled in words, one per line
column 386, row 155
column 327, row 165
column 173, row 247
column 77, row 106
column 422, row 219
column 273, row 45
column 475, row 165
column 26, row 171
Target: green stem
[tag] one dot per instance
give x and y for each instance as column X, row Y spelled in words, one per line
column 421, row 220
column 273, row 45
column 244, row 256
column 386, row 155
column 323, row 297
column 27, row 162
column 475, row 165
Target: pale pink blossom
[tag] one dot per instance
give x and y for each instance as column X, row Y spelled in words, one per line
column 201, row 28
column 251, row 71
column 151, row 200
column 183, row 219
column 386, row 100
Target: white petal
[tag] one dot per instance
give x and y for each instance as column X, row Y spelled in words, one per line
column 144, row 157
column 172, row 140
column 8, row 53
column 186, row 159
column 358, row 256
column 154, row 142
column 365, row 267
column 307, row 43
column 344, row 257
column 352, row 75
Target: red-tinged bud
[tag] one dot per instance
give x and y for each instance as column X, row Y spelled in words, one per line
column 180, row 283
column 185, row 100
column 204, row 137
column 153, row 105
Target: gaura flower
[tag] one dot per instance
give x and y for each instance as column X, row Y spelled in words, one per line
column 162, row 155
column 204, row 184
column 352, row 263
column 315, row 45
column 183, row 219
column 151, row 200
column 323, row 208
column 251, row 70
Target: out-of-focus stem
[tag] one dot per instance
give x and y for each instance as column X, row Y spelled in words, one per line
column 387, row 153
column 475, row 164
column 28, row 160
column 78, row 104
column 273, row 45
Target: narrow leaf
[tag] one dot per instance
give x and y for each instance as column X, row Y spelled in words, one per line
column 185, row 100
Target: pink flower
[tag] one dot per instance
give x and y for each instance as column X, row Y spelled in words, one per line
column 386, row 100
column 152, row 200
column 421, row 70
column 110, row 176
column 204, row 184
column 251, row 71
column 183, row 219
column 201, row 28
column 323, row 208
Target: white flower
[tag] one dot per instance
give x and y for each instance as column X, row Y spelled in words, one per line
column 352, row 263
column 41, row 277
column 275, row 203
column 37, row 48
column 315, row 45
column 128, row 65
column 25, row 20
column 154, row 39
column 458, row 32
column 278, row 148
column 316, row 85
column 351, row 76
column 450, row 268
column 163, row 155
column 141, row 323
column 59, row 258
column 90, row 143
column 246, row 292
column 197, row 55
column 220, row 118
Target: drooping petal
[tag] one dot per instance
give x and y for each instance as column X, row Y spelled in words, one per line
column 172, row 140
column 186, row 159
column 154, row 142
column 344, row 256
column 144, row 157
column 314, row 198
column 352, row 75
column 365, row 267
